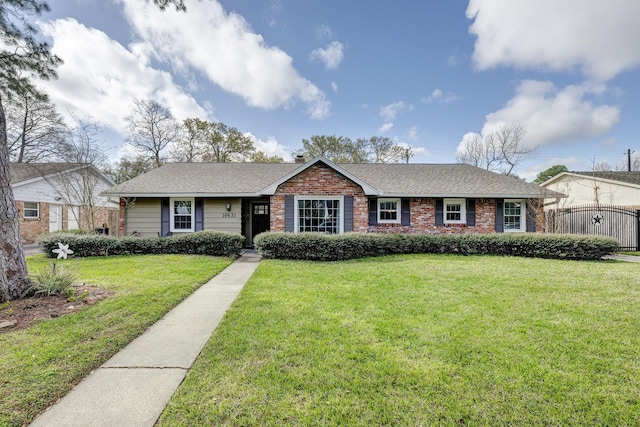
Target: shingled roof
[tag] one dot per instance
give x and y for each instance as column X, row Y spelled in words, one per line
column 21, row 172
column 632, row 177
column 393, row 180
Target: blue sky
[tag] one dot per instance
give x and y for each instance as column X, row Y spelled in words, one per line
column 423, row 73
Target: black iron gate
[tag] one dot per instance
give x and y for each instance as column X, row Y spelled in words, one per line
column 618, row 222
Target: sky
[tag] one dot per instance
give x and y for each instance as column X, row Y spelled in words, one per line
column 426, row 74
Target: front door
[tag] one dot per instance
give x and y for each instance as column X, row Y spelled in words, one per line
column 55, row 218
column 259, row 218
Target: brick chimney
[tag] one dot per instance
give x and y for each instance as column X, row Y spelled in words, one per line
column 300, row 159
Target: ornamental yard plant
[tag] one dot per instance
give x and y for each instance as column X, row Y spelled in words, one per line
column 41, row 364
column 423, row 340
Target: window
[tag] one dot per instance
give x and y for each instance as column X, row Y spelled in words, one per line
column 31, row 210
column 322, row 215
column 455, row 211
column 514, row 216
column 182, row 214
column 388, row 211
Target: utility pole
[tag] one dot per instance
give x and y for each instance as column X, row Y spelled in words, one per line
column 629, row 159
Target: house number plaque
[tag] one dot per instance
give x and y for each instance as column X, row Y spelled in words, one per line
column 229, row 215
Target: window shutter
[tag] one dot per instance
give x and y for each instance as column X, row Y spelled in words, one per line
column 373, row 211
column 531, row 217
column 405, row 218
column 500, row 215
column 199, row 225
column 165, row 216
column 471, row 212
column 348, row 213
column 439, row 211
column 288, row 214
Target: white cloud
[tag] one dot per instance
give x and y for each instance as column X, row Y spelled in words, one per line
column 390, row 112
column 413, row 133
column 552, row 115
column 323, row 32
column 334, row 87
column 385, row 127
column 597, row 37
column 101, row 78
column 331, row 56
column 224, row 48
column 438, row 95
column 270, row 147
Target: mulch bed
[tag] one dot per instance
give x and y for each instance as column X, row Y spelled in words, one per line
column 20, row 314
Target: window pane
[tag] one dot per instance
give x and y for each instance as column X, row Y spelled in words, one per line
column 182, row 207
column 512, row 215
column 30, row 209
column 453, row 211
column 318, row 215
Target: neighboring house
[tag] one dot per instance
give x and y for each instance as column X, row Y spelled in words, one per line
column 61, row 196
column 595, row 188
column 321, row 196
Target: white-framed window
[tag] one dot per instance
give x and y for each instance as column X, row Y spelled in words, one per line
column 455, row 211
column 515, row 215
column 31, row 210
column 182, row 214
column 319, row 214
column 389, row 211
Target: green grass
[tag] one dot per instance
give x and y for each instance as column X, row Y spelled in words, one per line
column 41, row 364
column 423, row 340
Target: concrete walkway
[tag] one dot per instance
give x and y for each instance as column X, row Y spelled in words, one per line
column 134, row 386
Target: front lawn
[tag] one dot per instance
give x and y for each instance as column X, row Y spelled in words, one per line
column 41, row 364
column 423, row 340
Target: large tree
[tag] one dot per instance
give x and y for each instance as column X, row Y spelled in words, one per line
column 35, row 130
column 547, row 174
column 152, row 129
column 22, row 56
column 499, row 151
column 204, row 141
column 341, row 149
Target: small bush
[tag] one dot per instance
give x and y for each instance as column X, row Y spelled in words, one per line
column 213, row 243
column 57, row 280
column 321, row 247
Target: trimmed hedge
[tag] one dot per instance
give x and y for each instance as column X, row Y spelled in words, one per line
column 213, row 243
column 322, row 247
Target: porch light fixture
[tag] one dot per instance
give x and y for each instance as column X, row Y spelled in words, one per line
column 228, row 207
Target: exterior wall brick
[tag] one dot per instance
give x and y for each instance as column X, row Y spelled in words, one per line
column 423, row 219
column 320, row 180
column 32, row 228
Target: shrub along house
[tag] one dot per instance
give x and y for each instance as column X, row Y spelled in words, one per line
column 321, row 196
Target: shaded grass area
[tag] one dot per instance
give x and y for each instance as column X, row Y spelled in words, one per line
column 41, row 364
column 423, row 340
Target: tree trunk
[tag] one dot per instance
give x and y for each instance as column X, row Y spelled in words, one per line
column 13, row 267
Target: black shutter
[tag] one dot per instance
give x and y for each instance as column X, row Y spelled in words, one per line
column 471, row 212
column 348, row 213
column 439, row 211
column 165, row 216
column 373, row 211
column 500, row 215
column 199, row 214
column 288, row 214
column 405, row 218
column 531, row 217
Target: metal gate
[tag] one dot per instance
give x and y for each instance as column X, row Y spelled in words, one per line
column 598, row 220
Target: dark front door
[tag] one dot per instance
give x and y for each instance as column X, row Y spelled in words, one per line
column 259, row 218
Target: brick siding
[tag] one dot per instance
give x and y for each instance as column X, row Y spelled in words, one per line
column 32, row 228
column 321, row 180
